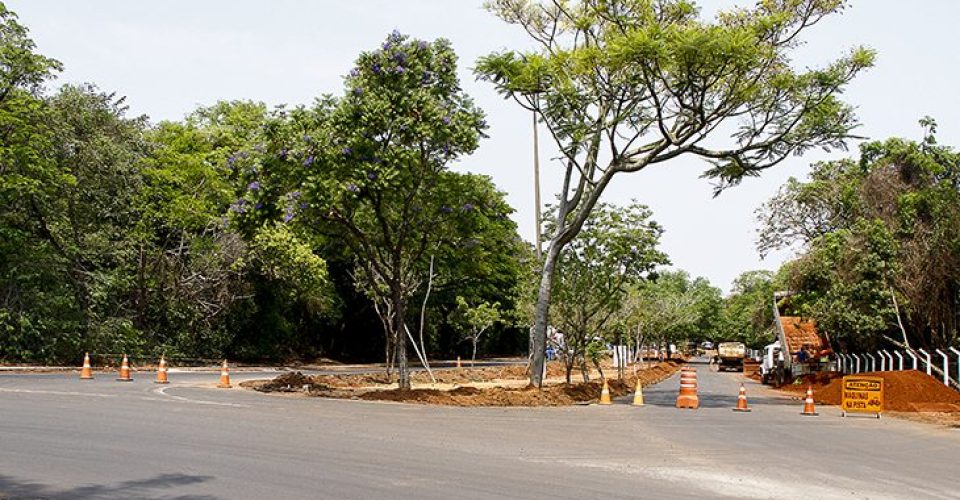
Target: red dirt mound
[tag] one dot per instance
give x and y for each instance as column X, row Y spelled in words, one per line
column 906, row 391
column 800, row 332
column 551, row 395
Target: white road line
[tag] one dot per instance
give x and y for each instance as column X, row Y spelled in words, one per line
column 159, row 390
column 162, row 391
column 59, row 393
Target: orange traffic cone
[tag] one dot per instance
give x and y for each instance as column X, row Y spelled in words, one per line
column 224, row 376
column 742, row 401
column 808, row 408
column 605, row 394
column 638, row 395
column 125, row 370
column 161, row 372
column 688, row 389
column 86, row 373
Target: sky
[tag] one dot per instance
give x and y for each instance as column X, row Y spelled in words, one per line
column 170, row 57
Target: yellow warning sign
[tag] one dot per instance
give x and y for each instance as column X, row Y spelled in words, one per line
column 862, row 394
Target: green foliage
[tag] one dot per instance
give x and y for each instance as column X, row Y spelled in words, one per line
column 279, row 255
column 474, row 320
column 748, row 311
column 877, row 234
column 616, row 249
column 621, row 85
column 673, row 308
column 242, row 230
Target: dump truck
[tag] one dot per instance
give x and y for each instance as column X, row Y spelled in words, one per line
column 799, row 350
column 730, row 355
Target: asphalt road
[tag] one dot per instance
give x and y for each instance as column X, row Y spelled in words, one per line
column 65, row 438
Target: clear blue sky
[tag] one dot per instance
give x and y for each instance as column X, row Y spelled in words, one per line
column 171, row 56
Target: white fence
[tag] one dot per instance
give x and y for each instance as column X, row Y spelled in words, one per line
column 939, row 363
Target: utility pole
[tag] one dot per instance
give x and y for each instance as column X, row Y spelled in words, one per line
column 536, row 187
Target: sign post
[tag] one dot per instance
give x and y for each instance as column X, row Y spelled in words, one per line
column 862, row 395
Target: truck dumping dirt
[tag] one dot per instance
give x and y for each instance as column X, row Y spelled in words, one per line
column 471, row 387
column 904, row 391
column 801, row 332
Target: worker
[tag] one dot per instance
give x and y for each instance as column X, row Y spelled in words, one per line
column 802, row 355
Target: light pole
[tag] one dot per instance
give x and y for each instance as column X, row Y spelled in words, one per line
column 536, row 186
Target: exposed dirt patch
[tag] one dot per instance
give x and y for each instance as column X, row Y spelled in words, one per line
column 472, row 387
column 908, row 391
column 447, row 376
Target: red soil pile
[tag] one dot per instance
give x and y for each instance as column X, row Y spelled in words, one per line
column 447, row 376
column 357, row 387
column 800, row 332
column 552, row 395
column 905, row 391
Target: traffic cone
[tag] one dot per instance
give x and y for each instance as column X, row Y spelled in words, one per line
column 125, row 370
column 742, row 401
column 86, row 373
column 161, row 372
column 224, row 376
column 638, row 395
column 808, row 408
column 688, row 389
column 605, row 394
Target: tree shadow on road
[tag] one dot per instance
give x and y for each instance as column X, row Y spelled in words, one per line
column 14, row 489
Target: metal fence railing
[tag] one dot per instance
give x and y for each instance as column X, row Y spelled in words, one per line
column 942, row 364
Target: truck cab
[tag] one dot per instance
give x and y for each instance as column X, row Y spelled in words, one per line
column 771, row 363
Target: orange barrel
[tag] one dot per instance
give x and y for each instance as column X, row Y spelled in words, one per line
column 688, row 389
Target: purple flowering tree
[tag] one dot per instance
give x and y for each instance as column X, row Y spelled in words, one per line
column 380, row 173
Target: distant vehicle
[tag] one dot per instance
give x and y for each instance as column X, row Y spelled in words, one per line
column 730, row 355
column 799, row 350
column 706, row 345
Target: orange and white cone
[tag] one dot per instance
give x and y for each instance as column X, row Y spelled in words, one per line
column 638, row 395
column 161, row 372
column 224, row 376
column 742, row 401
column 86, row 373
column 808, row 408
column 605, row 394
column 125, row 370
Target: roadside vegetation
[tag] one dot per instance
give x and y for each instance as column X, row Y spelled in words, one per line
column 339, row 230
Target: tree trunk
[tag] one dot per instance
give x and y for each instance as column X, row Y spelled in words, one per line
column 403, row 370
column 473, row 357
column 540, row 321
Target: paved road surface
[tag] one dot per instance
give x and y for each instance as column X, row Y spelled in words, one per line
column 63, row 438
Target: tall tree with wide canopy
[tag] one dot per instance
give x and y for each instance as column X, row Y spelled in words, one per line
column 622, row 85
column 379, row 170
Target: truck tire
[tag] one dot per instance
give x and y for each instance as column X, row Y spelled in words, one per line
column 778, row 378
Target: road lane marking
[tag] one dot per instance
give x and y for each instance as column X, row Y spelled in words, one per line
column 160, row 391
column 163, row 391
column 58, row 393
